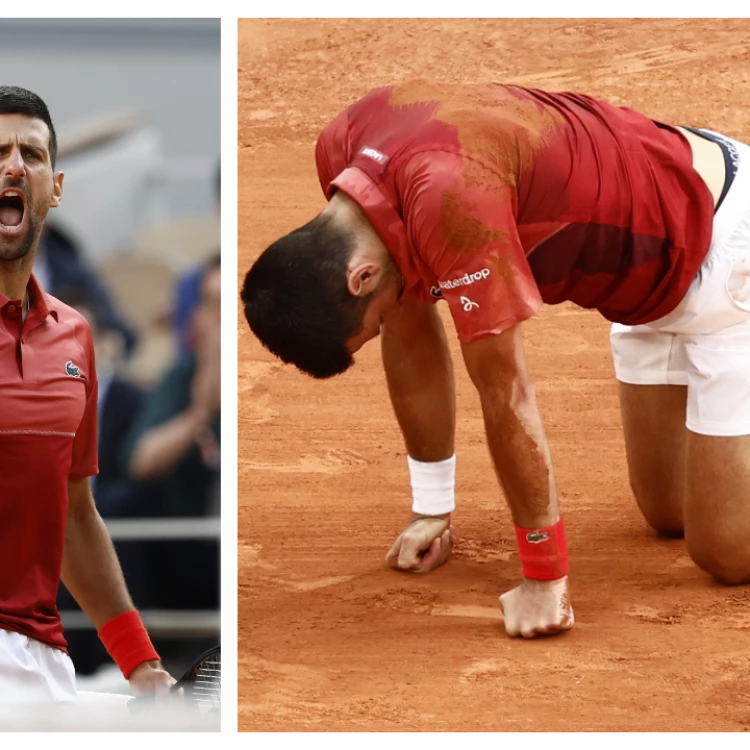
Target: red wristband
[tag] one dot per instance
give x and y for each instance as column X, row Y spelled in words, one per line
column 127, row 642
column 543, row 552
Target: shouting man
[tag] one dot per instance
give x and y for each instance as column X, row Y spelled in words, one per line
column 48, row 411
column 496, row 199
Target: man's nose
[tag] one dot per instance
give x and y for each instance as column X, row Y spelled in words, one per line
column 13, row 164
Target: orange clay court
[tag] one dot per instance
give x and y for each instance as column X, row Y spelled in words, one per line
column 329, row 638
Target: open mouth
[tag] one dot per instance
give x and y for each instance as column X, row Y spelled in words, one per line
column 12, row 211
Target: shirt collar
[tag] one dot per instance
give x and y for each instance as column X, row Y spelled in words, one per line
column 41, row 304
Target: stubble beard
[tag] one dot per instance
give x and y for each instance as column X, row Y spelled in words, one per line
column 10, row 248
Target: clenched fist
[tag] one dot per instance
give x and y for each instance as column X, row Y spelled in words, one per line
column 537, row 608
column 151, row 679
column 424, row 545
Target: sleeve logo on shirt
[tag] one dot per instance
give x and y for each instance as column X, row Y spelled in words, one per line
column 72, row 370
column 536, row 537
column 465, row 280
column 468, row 304
column 374, row 154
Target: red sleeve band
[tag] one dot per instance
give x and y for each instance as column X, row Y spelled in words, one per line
column 543, row 552
column 127, row 642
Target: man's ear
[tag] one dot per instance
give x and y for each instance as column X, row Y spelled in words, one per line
column 57, row 189
column 363, row 278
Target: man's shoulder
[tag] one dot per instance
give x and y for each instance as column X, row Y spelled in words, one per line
column 384, row 120
column 431, row 131
column 67, row 314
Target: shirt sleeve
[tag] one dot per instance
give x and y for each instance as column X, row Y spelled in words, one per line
column 85, row 461
column 460, row 215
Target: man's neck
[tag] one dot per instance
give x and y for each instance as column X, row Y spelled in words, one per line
column 346, row 211
column 14, row 277
column 349, row 214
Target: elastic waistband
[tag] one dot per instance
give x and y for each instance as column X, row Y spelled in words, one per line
column 731, row 158
column 735, row 202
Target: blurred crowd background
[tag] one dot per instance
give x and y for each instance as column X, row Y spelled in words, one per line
column 135, row 247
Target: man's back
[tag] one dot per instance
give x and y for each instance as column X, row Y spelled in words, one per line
column 556, row 196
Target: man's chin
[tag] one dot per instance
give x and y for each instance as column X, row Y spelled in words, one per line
column 15, row 248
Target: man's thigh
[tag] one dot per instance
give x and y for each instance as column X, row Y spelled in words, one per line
column 717, row 505
column 717, row 500
column 651, row 367
column 653, row 420
column 688, row 448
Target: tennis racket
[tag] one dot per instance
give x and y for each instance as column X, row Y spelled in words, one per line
column 202, row 682
column 201, row 685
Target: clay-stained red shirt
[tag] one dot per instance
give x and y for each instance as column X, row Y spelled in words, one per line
column 48, row 414
column 498, row 198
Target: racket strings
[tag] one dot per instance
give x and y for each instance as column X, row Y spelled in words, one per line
column 206, row 687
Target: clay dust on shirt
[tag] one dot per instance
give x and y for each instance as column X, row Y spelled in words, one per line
column 462, row 232
column 500, row 131
column 502, row 126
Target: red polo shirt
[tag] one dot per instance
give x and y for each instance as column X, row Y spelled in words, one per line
column 48, row 414
column 499, row 198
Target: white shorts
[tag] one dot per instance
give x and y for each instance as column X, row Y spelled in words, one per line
column 32, row 672
column 704, row 343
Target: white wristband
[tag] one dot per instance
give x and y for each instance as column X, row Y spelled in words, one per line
column 433, row 486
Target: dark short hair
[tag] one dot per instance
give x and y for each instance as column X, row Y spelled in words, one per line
column 297, row 301
column 17, row 101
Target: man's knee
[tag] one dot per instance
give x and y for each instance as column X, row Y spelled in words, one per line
column 662, row 512
column 668, row 527
column 728, row 561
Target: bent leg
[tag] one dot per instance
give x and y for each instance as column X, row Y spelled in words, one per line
column 717, row 506
column 651, row 367
column 717, row 501
column 653, row 420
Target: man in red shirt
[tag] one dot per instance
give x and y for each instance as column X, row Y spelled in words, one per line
column 496, row 199
column 48, row 411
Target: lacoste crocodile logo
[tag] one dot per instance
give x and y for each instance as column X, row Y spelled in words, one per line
column 535, row 537
column 72, row 370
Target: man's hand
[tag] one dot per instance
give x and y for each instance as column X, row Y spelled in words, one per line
column 424, row 545
column 150, row 678
column 537, row 608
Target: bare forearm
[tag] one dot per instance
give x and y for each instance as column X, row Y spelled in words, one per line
column 520, row 452
column 91, row 570
column 515, row 433
column 420, row 382
column 162, row 447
